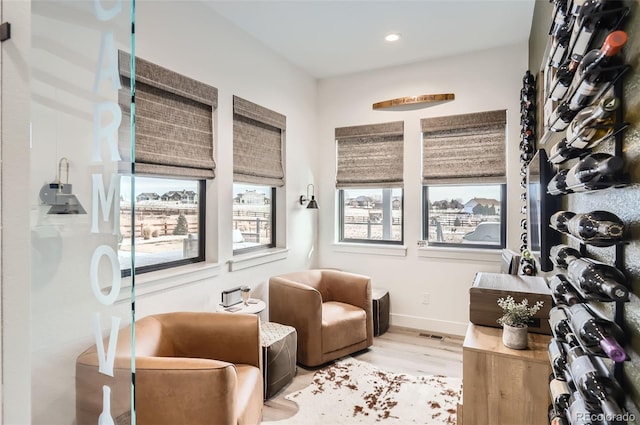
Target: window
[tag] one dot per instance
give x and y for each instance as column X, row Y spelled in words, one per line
column 371, row 215
column 465, row 215
column 464, row 175
column 253, row 217
column 258, row 137
column 169, row 223
column 370, row 183
column 173, row 160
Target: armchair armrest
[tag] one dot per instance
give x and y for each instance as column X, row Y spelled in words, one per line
column 201, row 390
column 298, row 305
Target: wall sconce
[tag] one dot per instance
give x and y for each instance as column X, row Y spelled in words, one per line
column 59, row 195
column 312, row 202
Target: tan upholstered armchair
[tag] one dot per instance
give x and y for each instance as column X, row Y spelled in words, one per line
column 330, row 309
column 191, row 368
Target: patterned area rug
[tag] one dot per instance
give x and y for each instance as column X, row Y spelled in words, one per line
column 355, row 392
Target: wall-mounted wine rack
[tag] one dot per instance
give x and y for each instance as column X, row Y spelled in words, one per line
column 611, row 20
column 527, row 151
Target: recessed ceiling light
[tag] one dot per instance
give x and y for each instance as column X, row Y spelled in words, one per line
column 392, row 37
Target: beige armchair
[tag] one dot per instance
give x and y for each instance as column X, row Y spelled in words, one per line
column 330, row 309
column 191, row 368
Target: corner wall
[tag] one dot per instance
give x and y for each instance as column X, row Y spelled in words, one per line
column 481, row 81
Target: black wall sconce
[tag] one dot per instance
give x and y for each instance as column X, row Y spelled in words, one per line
column 311, row 202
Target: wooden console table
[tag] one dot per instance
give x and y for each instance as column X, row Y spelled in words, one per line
column 502, row 386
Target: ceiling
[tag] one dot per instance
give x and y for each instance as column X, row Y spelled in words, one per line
column 329, row 38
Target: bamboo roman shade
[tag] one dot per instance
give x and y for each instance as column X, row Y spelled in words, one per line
column 258, row 137
column 173, row 124
column 370, row 155
column 467, row 148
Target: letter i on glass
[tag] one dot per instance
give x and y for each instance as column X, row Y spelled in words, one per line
column 105, row 417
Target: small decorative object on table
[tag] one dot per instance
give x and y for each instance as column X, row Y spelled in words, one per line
column 245, row 291
column 515, row 321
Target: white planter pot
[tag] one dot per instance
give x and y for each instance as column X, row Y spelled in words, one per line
column 513, row 337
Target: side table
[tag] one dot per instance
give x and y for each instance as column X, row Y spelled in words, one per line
column 279, row 347
column 380, row 299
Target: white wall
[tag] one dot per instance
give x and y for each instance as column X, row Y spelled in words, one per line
column 15, row 229
column 482, row 81
column 191, row 39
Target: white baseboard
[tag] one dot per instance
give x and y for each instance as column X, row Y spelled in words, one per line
column 424, row 323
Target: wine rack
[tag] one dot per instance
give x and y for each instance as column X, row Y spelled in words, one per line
column 610, row 371
column 527, row 151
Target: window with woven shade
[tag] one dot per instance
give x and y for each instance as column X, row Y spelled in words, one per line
column 174, row 156
column 258, row 140
column 369, row 179
column 464, row 179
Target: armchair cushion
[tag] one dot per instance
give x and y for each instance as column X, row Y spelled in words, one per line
column 342, row 325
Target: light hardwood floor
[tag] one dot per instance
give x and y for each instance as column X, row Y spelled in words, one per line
column 399, row 350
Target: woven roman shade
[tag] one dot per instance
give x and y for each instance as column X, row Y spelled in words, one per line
column 258, row 137
column 468, row 148
column 370, row 155
column 174, row 121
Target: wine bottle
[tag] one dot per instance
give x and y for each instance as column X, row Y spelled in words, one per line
column 597, row 68
column 597, row 228
column 523, row 223
column 595, row 171
column 561, row 117
column 561, row 152
column 561, row 14
column 563, row 78
column 594, row 15
column 525, row 157
column 592, row 385
column 528, row 79
column 593, row 124
column 560, row 394
column 597, row 334
column 527, row 94
column 563, row 292
column 560, row 44
column 597, row 280
column 527, row 266
column 562, row 255
column 557, row 358
column 579, row 413
column 557, row 417
column 558, row 184
column 527, row 107
column 559, row 322
column 526, row 146
column 559, row 220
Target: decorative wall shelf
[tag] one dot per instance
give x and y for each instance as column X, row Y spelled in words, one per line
column 414, row 102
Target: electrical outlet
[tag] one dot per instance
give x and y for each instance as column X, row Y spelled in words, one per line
column 426, row 297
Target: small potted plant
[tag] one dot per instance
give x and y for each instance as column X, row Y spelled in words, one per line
column 515, row 321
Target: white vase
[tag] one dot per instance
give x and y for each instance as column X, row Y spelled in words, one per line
column 514, row 337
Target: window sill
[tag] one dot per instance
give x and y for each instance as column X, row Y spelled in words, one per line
column 245, row 261
column 162, row 280
column 467, row 254
column 375, row 249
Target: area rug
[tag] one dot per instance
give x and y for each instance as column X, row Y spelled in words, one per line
column 355, row 392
